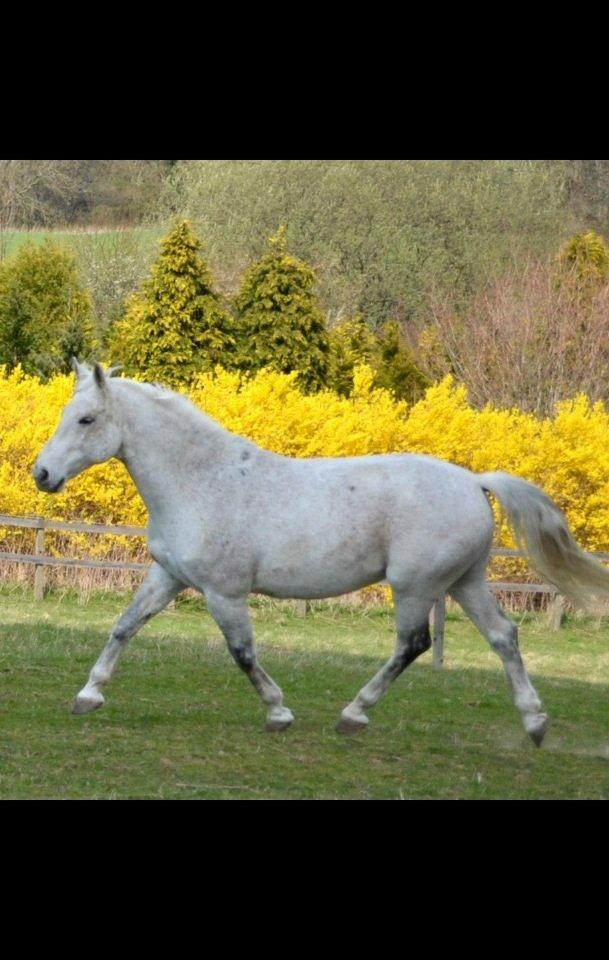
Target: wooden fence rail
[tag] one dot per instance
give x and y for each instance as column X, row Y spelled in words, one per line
column 41, row 560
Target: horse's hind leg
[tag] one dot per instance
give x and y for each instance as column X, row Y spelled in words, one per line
column 155, row 593
column 412, row 616
column 232, row 616
column 473, row 594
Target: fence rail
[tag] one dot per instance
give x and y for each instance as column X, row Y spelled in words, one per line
column 41, row 561
column 41, row 523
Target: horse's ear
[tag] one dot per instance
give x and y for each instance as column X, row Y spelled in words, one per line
column 112, row 371
column 78, row 368
column 99, row 376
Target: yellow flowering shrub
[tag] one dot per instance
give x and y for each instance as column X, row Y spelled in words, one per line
column 271, row 411
column 567, row 455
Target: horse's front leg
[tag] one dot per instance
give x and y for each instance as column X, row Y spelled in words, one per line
column 157, row 590
column 232, row 616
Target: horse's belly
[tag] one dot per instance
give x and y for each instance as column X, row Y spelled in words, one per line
column 312, row 586
column 304, row 572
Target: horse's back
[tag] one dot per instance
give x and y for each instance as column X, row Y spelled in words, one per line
column 356, row 520
column 424, row 487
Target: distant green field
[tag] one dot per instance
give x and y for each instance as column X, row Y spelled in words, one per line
column 182, row 722
column 11, row 240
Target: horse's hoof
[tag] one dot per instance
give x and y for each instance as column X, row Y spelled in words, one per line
column 279, row 720
column 82, row 705
column 351, row 723
column 536, row 725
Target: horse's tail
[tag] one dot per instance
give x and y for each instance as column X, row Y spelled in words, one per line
column 542, row 532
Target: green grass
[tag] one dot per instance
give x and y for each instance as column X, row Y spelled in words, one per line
column 180, row 720
column 11, row 240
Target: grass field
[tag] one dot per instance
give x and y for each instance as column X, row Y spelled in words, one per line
column 182, row 722
column 11, row 240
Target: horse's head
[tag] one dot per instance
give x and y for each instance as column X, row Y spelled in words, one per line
column 89, row 432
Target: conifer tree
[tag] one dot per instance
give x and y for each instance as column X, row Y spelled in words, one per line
column 352, row 343
column 386, row 352
column 175, row 326
column 396, row 368
column 281, row 325
column 587, row 255
column 45, row 312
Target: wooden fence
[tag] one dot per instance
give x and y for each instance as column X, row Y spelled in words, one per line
column 41, row 561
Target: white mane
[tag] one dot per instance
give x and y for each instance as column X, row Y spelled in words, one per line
column 170, row 400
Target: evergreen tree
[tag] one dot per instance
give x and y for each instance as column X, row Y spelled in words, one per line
column 352, row 343
column 175, row 327
column 45, row 313
column 587, row 255
column 281, row 324
column 397, row 370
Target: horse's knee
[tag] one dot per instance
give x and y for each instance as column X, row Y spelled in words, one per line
column 504, row 639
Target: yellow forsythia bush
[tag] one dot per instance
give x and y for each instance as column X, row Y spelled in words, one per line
column 567, row 455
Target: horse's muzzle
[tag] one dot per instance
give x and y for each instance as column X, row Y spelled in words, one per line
column 45, row 482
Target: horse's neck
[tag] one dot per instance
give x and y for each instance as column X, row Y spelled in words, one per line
column 164, row 445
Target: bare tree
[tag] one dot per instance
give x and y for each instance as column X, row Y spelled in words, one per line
column 534, row 337
column 25, row 189
column 588, row 186
column 23, row 184
column 61, row 192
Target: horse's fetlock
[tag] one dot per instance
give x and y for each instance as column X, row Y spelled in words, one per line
column 99, row 676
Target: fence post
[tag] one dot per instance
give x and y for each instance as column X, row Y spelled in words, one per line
column 556, row 611
column 439, row 618
column 39, row 571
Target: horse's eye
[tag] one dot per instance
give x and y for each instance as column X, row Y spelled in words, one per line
column 86, row 420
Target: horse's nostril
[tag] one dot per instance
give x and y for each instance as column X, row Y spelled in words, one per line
column 43, row 475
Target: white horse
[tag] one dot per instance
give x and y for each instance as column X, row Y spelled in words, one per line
column 229, row 518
